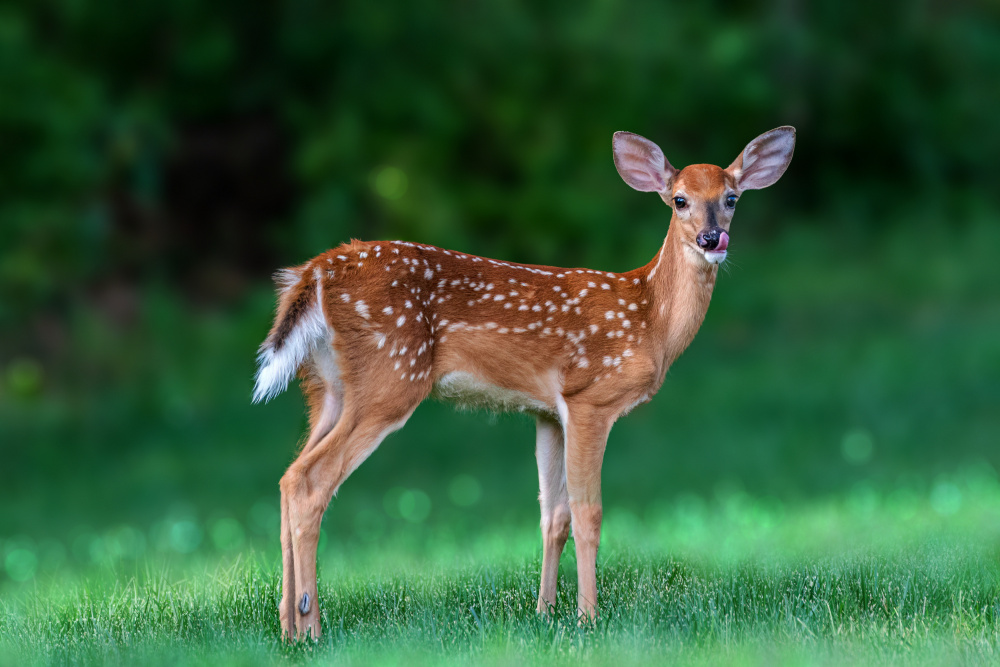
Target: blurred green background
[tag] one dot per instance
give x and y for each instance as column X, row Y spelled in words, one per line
column 159, row 160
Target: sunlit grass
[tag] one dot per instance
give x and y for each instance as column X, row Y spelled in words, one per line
column 862, row 579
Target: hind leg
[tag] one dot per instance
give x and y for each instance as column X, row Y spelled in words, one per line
column 306, row 490
column 325, row 403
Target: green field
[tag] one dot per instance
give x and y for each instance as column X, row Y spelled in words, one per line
column 867, row 580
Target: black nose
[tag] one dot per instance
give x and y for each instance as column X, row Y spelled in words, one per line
column 709, row 240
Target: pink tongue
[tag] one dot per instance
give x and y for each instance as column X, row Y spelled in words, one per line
column 723, row 242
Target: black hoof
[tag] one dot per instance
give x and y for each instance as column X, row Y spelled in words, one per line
column 304, row 604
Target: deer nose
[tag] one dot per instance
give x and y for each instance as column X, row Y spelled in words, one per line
column 709, row 240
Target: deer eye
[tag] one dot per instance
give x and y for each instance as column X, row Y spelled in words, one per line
column 680, row 202
column 731, row 201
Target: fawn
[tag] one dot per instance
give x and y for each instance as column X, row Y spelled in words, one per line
column 374, row 328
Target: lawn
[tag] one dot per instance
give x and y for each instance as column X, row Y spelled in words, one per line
column 865, row 579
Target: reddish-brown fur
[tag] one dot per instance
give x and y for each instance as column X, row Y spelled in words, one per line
column 576, row 347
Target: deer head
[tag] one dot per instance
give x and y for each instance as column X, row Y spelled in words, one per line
column 703, row 196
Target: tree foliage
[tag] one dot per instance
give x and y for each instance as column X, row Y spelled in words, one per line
column 194, row 142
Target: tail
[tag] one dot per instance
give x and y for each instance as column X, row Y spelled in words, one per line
column 298, row 328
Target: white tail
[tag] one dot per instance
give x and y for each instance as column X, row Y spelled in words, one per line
column 373, row 328
column 302, row 332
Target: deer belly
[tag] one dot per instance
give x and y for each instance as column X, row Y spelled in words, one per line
column 468, row 390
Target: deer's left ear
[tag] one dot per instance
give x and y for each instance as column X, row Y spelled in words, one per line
column 764, row 159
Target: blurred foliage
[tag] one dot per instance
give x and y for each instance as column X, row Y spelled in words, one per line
column 159, row 160
column 200, row 142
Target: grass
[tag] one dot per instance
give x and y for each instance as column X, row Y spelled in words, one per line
column 861, row 580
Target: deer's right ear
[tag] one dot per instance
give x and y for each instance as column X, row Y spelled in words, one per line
column 640, row 163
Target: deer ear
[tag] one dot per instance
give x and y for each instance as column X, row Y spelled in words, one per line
column 640, row 163
column 764, row 159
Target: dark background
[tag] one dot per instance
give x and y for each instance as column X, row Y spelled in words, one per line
column 159, row 160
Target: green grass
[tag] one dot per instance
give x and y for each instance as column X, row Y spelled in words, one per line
column 860, row 580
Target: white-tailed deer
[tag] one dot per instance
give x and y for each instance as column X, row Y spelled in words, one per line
column 372, row 329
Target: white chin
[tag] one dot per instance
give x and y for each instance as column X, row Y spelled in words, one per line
column 715, row 256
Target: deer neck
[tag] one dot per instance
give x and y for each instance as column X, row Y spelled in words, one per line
column 680, row 285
